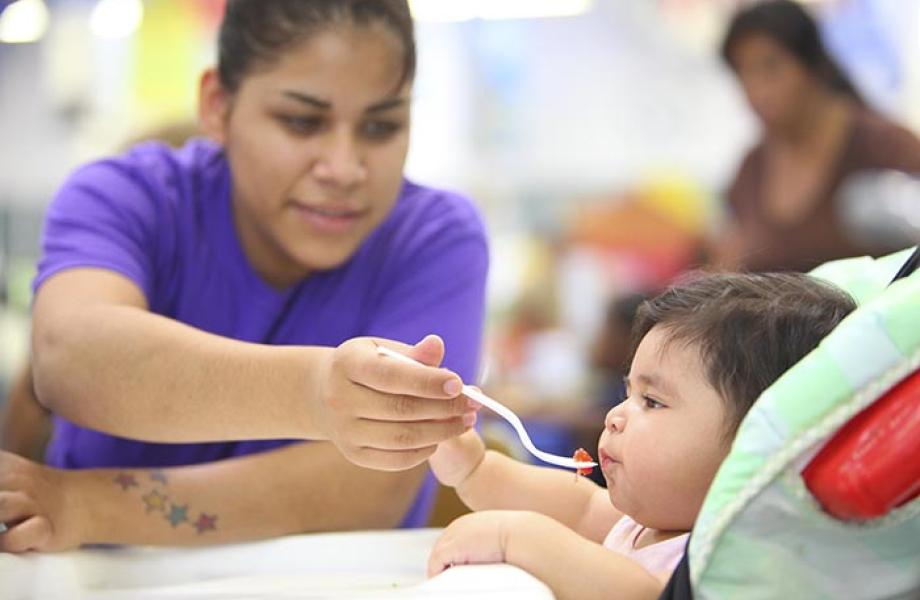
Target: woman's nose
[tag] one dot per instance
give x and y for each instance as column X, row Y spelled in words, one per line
column 340, row 162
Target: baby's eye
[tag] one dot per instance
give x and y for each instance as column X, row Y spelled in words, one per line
column 652, row 403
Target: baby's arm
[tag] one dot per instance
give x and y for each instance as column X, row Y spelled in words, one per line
column 490, row 480
column 572, row 566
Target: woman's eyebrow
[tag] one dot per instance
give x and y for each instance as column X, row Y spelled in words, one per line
column 320, row 104
column 386, row 105
column 308, row 99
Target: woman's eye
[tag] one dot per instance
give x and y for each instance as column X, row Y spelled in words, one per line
column 380, row 130
column 302, row 125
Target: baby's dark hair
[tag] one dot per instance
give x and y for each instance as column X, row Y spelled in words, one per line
column 255, row 32
column 749, row 328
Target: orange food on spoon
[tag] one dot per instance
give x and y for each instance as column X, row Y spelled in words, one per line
column 581, row 455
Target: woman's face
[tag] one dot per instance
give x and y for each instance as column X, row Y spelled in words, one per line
column 316, row 141
column 774, row 81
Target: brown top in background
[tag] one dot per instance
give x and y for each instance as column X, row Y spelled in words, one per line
column 873, row 143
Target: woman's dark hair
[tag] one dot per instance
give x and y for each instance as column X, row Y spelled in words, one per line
column 749, row 328
column 255, row 32
column 792, row 27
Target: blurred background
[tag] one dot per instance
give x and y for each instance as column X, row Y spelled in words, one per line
column 598, row 138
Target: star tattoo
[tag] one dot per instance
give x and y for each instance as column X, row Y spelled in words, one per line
column 125, row 480
column 155, row 501
column 177, row 514
column 158, row 476
column 206, row 522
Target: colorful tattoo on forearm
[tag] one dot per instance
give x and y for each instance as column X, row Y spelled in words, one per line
column 156, row 500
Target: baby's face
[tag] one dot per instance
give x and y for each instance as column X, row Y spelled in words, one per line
column 662, row 446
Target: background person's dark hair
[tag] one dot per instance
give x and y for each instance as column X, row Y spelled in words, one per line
column 790, row 25
column 255, row 32
column 750, row 328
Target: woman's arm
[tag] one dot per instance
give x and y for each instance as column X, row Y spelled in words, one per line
column 487, row 480
column 572, row 566
column 300, row 488
column 101, row 360
column 26, row 424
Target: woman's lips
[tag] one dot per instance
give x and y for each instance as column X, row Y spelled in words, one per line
column 330, row 220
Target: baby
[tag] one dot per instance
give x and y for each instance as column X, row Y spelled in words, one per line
column 706, row 350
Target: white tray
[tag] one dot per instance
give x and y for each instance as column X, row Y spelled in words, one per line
column 378, row 564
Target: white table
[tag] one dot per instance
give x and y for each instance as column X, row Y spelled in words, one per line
column 379, row 564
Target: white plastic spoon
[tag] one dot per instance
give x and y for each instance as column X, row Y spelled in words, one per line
column 507, row 414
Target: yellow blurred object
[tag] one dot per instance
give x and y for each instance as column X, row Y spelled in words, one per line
column 167, row 61
column 678, row 198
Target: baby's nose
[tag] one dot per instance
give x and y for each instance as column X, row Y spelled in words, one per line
column 614, row 420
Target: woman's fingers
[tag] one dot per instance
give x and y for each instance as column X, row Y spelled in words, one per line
column 390, row 460
column 388, row 413
column 382, row 435
column 15, row 506
column 388, row 407
column 393, row 376
column 26, row 529
column 32, row 534
column 365, row 366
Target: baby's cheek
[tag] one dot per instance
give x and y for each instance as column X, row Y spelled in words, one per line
column 668, row 472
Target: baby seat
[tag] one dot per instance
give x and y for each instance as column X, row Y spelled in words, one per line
column 762, row 531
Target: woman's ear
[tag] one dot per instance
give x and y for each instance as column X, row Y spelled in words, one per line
column 213, row 106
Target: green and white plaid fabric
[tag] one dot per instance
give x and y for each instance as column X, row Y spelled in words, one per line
column 760, row 534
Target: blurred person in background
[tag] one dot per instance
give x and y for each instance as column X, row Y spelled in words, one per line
column 817, row 132
column 198, row 311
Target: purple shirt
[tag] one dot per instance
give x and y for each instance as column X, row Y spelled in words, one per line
column 162, row 218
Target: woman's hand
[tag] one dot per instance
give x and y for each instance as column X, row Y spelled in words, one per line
column 386, row 414
column 35, row 506
column 456, row 458
column 476, row 538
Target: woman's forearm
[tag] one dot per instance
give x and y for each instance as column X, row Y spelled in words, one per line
column 103, row 361
column 123, row 370
column 302, row 488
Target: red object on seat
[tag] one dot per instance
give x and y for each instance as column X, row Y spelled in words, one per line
column 872, row 464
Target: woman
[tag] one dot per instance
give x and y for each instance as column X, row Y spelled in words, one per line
column 237, row 289
column 816, row 132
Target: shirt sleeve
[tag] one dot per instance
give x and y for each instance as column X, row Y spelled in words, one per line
column 887, row 145
column 105, row 216
column 438, row 286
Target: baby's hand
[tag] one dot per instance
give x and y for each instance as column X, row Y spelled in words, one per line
column 476, row 538
column 457, row 457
